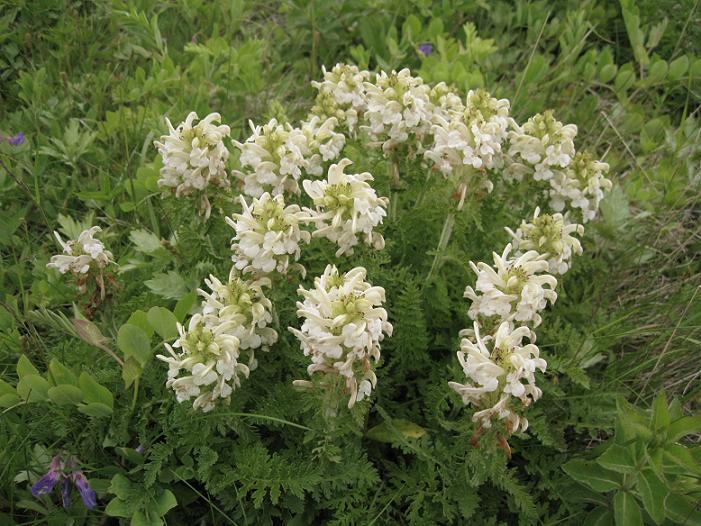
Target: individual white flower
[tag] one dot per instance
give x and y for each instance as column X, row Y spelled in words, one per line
column 498, row 369
column 341, row 95
column 472, row 138
column 81, row 255
column 194, row 157
column 203, row 363
column 323, row 143
column 581, row 184
column 542, row 146
column 276, row 154
column 344, row 323
column 514, row 290
column 550, row 235
column 267, row 235
column 347, row 208
column 398, row 109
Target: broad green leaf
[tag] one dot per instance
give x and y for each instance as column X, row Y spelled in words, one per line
column 593, row 475
column 144, row 518
column 60, row 374
column 682, row 509
column 678, row 67
column 184, row 305
column 657, row 72
column 33, row 388
column 95, row 409
column 676, row 454
column 617, row 458
column 118, row 508
column 608, row 73
column 140, row 319
column 385, row 432
column 653, row 493
column 134, row 342
column 165, row 502
column 9, row 399
column 130, row 454
column 660, row 413
column 145, row 241
column 25, row 367
column 130, row 371
column 6, row 388
column 164, row 322
column 120, row 486
column 687, row 425
column 170, row 286
column 626, row 510
column 65, row 394
column 93, row 392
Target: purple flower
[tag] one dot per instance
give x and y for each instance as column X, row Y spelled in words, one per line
column 66, row 491
column 46, row 483
column 426, row 49
column 17, row 139
column 86, row 492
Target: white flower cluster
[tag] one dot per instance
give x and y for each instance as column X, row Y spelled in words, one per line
column 341, row 95
column 243, row 302
column 550, row 235
column 81, row 255
column 398, row 109
column 277, row 154
column 234, row 319
column 581, row 184
column 344, row 323
column 516, row 289
column 501, row 373
column 346, row 207
column 194, row 157
column 209, row 355
column 473, row 137
column 541, row 146
column 267, row 235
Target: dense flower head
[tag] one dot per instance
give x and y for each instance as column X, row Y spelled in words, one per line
column 203, row 362
column 542, row 146
column 242, row 302
column 267, row 235
column 399, row 109
column 500, row 371
column 345, row 84
column 194, row 156
column 581, row 185
column 81, row 255
column 472, row 138
column 323, row 143
column 276, row 155
column 550, row 235
column 344, row 323
column 515, row 289
column 445, row 101
column 347, row 208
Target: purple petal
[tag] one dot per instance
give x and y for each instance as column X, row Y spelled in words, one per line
column 45, row 484
column 426, row 49
column 66, row 492
column 17, row 139
column 86, row 492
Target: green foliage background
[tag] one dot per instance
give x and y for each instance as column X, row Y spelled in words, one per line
column 89, row 84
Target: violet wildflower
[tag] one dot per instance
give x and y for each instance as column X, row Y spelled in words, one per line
column 426, row 49
column 16, row 140
column 66, row 492
column 86, row 492
column 46, row 483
